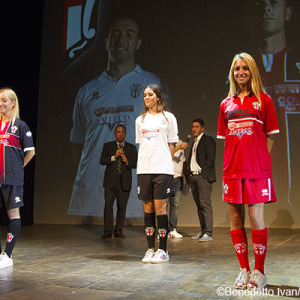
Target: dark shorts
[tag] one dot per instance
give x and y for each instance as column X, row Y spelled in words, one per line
column 249, row 191
column 154, row 186
column 11, row 196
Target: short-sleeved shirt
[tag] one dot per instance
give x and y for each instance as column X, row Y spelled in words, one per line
column 15, row 140
column 153, row 133
column 101, row 104
column 244, row 127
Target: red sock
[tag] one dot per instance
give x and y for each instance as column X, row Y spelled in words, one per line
column 260, row 240
column 239, row 240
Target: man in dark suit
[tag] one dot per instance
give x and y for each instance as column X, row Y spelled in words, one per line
column 201, row 173
column 119, row 157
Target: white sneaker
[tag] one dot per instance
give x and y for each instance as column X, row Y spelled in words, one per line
column 205, row 238
column 242, row 280
column 174, row 234
column 5, row 261
column 257, row 281
column 148, row 256
column 160, row 256
column 197, row 237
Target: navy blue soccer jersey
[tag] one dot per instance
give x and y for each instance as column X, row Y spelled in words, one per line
column 15, row 140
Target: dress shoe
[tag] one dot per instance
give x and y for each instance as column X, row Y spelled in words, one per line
column 105, row 236
column 120, row 234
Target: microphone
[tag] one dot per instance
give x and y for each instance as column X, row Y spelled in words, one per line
column 188, row 137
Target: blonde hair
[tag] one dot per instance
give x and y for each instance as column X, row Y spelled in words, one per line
column 15, row 112
column 255, row 86
column 161, row 104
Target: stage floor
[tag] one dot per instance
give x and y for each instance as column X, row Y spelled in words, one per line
column 71, row 262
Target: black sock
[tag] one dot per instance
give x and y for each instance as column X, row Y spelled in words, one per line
column 162, row 221
column 149, row 220
column 14, row 228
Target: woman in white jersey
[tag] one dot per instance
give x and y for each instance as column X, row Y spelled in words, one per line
column 247, row 122
column 157, row 133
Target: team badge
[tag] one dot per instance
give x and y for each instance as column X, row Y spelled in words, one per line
column 259, row 249
column 29, row 134
column 162, row 232
column 14, row 129
column 149, row 231
column 264, row 192
column 240, row 248
column 225, row 188
column 10, row 237
column 256, row 105
column 135, row 90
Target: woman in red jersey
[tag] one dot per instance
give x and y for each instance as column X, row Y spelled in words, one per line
column 247, row 122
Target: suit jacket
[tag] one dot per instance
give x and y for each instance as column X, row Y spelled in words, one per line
column 111, row 173
column 205, row 156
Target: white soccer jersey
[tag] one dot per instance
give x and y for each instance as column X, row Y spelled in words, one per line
column 153, row 133
column 100, row 105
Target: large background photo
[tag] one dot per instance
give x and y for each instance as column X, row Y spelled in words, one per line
column 189, row 45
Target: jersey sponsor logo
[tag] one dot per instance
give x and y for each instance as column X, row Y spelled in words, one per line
column 265, row 192
column 240, row 248
column 14, row 129
column 256, row 105
column 240, row 129
column 259, row 249
column 226, row 188
column 149, row 231
column 135, row 90
column 112, row 116
column 29, row 134
column 10, row 237
column 162, row 232
column 17, row 199
column 149, row 134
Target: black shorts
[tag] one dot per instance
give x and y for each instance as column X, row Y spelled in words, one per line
column 11, row 196
column 154, row 186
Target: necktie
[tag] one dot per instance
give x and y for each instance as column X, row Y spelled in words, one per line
column 119, row 161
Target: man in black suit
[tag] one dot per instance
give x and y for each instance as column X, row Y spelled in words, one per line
column 119, row 157
column 201, row 173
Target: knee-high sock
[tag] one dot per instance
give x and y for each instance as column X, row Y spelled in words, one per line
column 162, row 221
column 260, row 240
column 239, row 240
column 149, row 220
column 14, row 228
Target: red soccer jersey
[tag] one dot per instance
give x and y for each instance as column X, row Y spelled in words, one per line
column 244, row 126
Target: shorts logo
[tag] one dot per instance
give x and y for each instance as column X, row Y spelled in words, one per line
column 259, row 249
column 264, row 192
column 10, row 237
column 256, row 105
column 17, row 199
column 138, row 190
column 135, row 90
column 162, row 232
column 225, row 188
column 14, row 129
column 149, row 231
column 240, row 248
column 168, row 190
column 28, row 133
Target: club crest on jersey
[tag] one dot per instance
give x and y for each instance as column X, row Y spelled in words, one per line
column 10, row 237
column 256, row 105
column 14, row 129
column 29, row 134
column 225, row 188
column 149, row 231
column 135, row 90
column 162, row 232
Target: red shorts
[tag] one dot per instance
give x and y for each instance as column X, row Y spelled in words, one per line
column 249, row 191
